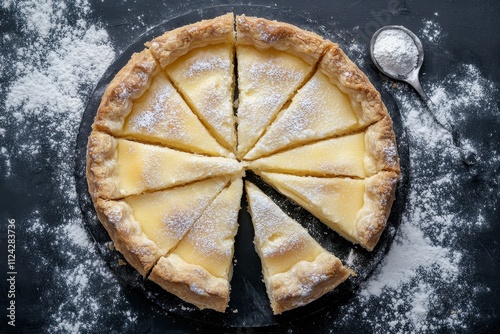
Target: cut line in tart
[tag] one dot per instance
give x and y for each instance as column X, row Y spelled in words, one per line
column 296, row 269
column 140, row 103
column 337, row 100
column 181, row 122
column 147, row 226
column 199, row 59
column 357, row 155
column 199, row 269
column 120, row 167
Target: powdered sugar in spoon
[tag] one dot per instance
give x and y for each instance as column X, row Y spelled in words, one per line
column 399, row 54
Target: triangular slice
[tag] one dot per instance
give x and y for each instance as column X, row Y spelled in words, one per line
column 117, row 168
column 166, row 216
column 336, row 100
column 274, row 59
column 205, row 78
column 141, row 103
column 357, row 209
column 358, row 155
column 296, row 269
column 199, row 60
column 199, row 269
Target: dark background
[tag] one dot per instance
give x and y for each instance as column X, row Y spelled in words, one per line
column 472, row 34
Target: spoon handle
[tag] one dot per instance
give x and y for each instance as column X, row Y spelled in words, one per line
column 415, row 83
column 469, row 158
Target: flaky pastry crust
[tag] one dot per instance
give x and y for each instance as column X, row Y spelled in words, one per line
column 372, row 218
column 128, row 84
column 175, row 43
column 342, row 72
column 381, row 149
column 264, row 34
column 127, row 235
column 102, row 167
column 305, row 282
column 191, row 283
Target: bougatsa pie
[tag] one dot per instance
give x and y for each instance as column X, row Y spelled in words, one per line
column 180, row 123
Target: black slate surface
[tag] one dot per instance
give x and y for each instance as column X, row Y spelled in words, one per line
column 471, row 35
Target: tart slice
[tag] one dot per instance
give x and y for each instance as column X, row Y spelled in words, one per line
column 357, row 155
column 357, row 209
column 199, row 269
column 337, row 100
column 199, row 60
column 296, row 269
column 117, row 168
column 140, row 103
column 274, row 60
column 145, row 227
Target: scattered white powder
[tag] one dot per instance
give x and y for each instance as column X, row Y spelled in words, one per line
column 395, row 52
column 58, row 62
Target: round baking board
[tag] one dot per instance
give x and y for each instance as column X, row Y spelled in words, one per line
column 249, row 305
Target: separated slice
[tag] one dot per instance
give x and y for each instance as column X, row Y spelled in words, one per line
column 297, row 269
column 357, row 209
column 199, row 269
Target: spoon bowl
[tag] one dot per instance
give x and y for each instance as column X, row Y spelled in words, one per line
column 409, row 77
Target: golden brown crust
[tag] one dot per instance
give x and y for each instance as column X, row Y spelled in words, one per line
column 175, row 43
column 102, row 168
column 342, row 72
column 128, row 84
column 381, row 149
column 192, row 283
column 264, row 34
column 372, row 218
column 306, row 282
column 127, row 235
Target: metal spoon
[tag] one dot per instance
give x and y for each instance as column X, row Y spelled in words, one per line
column 412, row 78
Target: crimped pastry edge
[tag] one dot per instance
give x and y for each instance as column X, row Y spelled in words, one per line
column 381, row 148
column 102, row 168
column 127, row 235
column 192, row 283
column 175, row 43
column 379, row 195
column 347, row 76
column 263, row 33
column 305, row 282
column 127, row 85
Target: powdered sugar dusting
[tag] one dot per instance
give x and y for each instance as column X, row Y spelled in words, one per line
column 58, row 62
column 271, row 224
column 212, row 235
column 162, row 114
column 207, row 64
